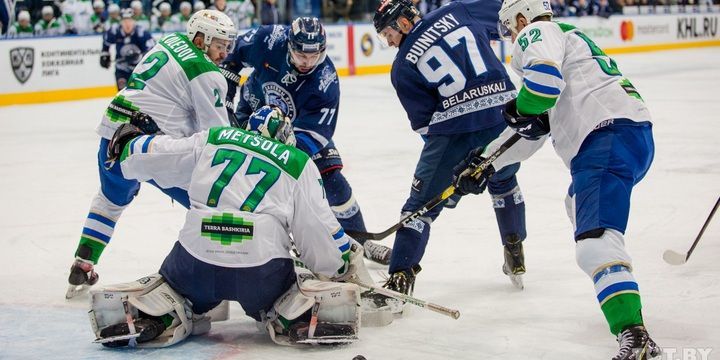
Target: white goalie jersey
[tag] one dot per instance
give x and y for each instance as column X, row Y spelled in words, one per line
column 565, row 73
column 247, row 194
column 177, row 85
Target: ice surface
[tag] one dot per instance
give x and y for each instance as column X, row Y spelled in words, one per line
column 48, row 177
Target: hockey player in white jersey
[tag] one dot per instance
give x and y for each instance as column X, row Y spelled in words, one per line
column 600, row 127
column 177, row 89
column 249, row 190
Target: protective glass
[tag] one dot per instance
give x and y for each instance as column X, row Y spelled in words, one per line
column 388, row 31
column 303, row 59
column 222, row 45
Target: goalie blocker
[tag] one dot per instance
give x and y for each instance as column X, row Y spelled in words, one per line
column 148, row 313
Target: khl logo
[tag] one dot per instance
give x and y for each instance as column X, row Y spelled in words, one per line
column 22, row 60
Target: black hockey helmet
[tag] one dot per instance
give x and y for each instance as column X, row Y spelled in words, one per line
column 307, row 35
column 389, row 11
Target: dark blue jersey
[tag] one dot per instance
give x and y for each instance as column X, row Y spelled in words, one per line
column 129, row 48
column 445, row 73
column 310, row 100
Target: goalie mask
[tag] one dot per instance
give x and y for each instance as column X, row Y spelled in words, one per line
column 270, row 122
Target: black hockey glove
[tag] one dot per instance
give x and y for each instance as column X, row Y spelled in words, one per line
column 463, row 180
column 105, row 60
column 145, row 123
column 122, row 136
column 530, row 127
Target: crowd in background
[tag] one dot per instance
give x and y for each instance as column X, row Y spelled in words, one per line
column 59, row 17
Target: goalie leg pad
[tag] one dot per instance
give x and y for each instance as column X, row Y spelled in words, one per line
column 149, row 295
column 331, row 303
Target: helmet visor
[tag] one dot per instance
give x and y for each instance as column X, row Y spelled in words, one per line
column 504, row 31
column 388, row 34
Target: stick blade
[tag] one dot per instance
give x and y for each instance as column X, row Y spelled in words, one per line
column 674, row 258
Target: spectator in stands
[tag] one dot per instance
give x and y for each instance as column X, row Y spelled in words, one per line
column 97, row 19
column 22, row 28
column 180, row 19
column 48, row 25
column 559, row 8
column 139, row 16
column 578, row 8
column 198, row 5
column 269, row 13
column 113, row 16
column 337, row 9
column 163, row 22
column 600, row 8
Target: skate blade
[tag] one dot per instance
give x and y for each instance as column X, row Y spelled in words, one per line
column 116, row 338
column 329, row 340
column 517, row 281
column 76, row 290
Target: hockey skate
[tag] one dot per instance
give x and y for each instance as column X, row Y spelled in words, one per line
column 514, row 265
column 402, row 281
column 323, row 333
column 636, row 344
column 82, row 277
column 377, row 252
column 119, row 335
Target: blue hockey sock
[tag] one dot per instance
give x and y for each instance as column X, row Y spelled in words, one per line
column 342, row 202
column 409, row 246
column 510, row 214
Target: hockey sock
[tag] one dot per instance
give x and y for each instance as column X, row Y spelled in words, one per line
column 409, row 246
column 342, row 202
column 95, row 236
column 510, row 214
column 619, row 297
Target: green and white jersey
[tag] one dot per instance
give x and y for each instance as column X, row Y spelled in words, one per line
column 177, row 85
column 49, row 28
column 143, row 21
column 247, row 195
column 563, row 71
column 19, row 31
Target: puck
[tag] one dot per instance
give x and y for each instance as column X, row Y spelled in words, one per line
column 359, row 357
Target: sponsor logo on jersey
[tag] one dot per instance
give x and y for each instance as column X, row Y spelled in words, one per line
column 227, row 229
column 22, row 60
column 274, row 93
column 289, row 78
column 430, row 36
column 692, row 27
column 277, row 34
column 474, row 93
column 327, row 77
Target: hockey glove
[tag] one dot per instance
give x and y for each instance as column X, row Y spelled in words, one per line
column 122, row 136
column 530, row 127
column 145, row 123
column 105, row 60
column 463, row 180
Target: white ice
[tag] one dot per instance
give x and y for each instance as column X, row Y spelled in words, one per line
column 48, row 176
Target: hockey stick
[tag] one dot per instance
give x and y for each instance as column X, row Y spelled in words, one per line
column 675, row 258
column 360, row 235
column 455, row 314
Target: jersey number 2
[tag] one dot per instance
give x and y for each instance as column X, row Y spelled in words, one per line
column 447, row 66
column 234, row 160
column 137, row 80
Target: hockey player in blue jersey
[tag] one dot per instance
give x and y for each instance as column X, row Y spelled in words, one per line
column 131, row 43
column 452, row 87
column 292, row 71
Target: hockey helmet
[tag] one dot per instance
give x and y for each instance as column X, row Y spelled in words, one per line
column 270, row 122
column 307, row 35
column 530, row 9
column 389, row 11
column 212, row 24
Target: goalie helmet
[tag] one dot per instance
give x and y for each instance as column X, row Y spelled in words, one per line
column 212, row 24
column 530, row 9
column 270, row 122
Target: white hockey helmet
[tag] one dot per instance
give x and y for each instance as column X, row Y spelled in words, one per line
column 212, row 24
column 23, row 15
column 113, row 9
column 530, row 9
